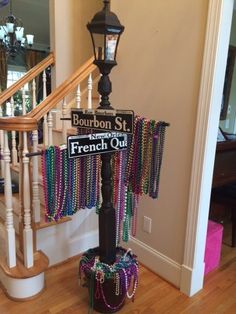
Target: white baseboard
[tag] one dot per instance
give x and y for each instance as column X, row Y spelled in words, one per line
column 192, row 279
column 156, row 261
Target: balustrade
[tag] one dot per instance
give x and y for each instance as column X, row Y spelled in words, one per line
column 78, row 97
column 10, row 231
column 90, row 89
column 45, row 118
column 64, row 114
column 13, row 138
column 35, row 169
column 1, row 148
column 27, row 233
column 29, row 210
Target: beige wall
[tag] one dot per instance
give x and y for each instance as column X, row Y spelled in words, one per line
column 69, row 36
column 158, row 75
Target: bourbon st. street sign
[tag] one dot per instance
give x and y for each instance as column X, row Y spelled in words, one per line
column 105, row 120
column 98, row 143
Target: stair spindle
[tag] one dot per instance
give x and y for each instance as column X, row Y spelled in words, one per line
column 45, row 118
column 78, row 97
column 2, row 148
column 10, row 231
column 35, row 176
column 13, row 134
column 64, row 126
column 27, row 232
column 23, row 102
column 50, row 126
column 90, row 89
column 34, row 102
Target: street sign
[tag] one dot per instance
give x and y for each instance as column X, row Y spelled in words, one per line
column 105, row 120
column 98, row 143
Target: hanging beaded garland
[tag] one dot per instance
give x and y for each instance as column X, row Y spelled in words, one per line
column 73, row 184
column 67, row 187
column 123, row 273
column 137, row 172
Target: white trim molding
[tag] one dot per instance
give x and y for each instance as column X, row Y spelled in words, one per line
column 156, row 261
column 210, row 97
column 22, row 289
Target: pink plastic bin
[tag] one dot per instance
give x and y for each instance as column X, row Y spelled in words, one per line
column 213, row 246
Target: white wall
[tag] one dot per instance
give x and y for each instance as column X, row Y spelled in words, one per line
column 62, row 241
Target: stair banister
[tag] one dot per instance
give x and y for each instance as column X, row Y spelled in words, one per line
column 13, row 134
column 29, row 76
column 27, row 124
column 78, row 97
column 30, row 121
column 63, row 90
column 45, row 118
column 35, row 175
column 2, row 147
column 10, row 231
column 64, row 113
column 27, row 232
column 90, row 88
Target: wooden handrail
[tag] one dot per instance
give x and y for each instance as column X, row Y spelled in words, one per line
column 22, row 123
column 30, row 121
column 64, row 89
column 30, row 75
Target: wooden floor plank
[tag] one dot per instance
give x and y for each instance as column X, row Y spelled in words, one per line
column 154, row 296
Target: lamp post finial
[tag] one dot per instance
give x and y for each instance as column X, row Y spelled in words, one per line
column 106, row 4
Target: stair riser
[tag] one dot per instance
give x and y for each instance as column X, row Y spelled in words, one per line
column 22, row 289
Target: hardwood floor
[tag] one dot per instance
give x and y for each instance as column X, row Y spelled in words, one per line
column 154, row 296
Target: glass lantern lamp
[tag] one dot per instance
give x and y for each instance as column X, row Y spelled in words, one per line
column 105, row 29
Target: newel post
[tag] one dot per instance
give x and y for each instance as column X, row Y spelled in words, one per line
column 27, row 232
column 35, row 170
column 10, row 231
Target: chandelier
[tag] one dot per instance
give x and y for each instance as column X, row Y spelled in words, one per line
column 12, row 38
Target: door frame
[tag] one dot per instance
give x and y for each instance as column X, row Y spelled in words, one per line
column 209, row 106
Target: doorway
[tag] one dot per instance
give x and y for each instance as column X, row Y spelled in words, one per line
column 209, row 107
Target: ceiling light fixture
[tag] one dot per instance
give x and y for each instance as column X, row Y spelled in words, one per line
column 12, row 35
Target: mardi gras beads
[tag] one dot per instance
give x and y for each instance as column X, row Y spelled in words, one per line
column 123, row 272
column 141, row 173
column 67, row 187
column 70, row 185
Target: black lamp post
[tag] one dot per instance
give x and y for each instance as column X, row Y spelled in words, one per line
column 105, row 30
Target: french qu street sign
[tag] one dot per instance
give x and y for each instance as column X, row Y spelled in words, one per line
column 98, row 143
column 105, row 120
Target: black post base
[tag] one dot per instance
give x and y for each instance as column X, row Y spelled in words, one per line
column 107, row 240
column 107, row 215
column 109, row 288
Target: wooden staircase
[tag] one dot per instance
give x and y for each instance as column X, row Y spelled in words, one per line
column 22, row 263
